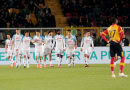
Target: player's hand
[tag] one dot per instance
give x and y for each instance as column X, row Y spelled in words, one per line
column 75, row 46
column 16, row 49
column 108, row 42
column 81, row 49
column 64, row 49
column 40, row 43
column 36, row 40
column 44, row 42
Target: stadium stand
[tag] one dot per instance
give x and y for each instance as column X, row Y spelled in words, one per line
column 96, row 12
column 25, row 13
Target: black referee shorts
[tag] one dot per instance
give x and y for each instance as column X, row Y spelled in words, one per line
column 115, row 48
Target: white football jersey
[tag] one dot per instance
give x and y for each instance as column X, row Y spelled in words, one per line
column 70, row 42
column 48, row 41
column 60, row 41
column 87, row 42
column 39, row 39
column 26, row 42
column 17, row 40
column 8, row 43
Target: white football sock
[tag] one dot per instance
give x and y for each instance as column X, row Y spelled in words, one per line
column 60, row 60
column 72, row 60
column 68, row 61
column 87, row 60
column 27, row 61
column 16, row 61
column 41, row 62
column 44, row 62
column 50, row 62
column 24, row 61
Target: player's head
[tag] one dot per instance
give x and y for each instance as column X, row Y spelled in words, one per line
column 8, row 36
column 26, row 33
column 87, row 34
column 17, row 31
column 114, row 20
column 38, row 33
column 69, row 34
column 68, row 31
column 50, row 33
column 58, row 32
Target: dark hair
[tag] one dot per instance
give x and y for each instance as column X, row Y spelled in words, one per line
column 69, row 30
column 26, row 32
column 87, row 31
column 8, row 34
column 113, row 20
column 49, row 32
column 17, row 29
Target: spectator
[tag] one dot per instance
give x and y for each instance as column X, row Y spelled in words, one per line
column 125, row 41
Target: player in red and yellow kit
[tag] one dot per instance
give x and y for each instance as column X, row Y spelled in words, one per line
column 115, row 34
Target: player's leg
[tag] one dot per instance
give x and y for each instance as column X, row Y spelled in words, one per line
column 116, row 59
column 36, row 57
column 24, row 61
column 122, row 62
column 16, row 60
column 45, row 60
column 72, row 57
column 24, row 57
column 112, row 54
column 68, row 57
column 20, row 57
column 68, row 61
column 28, row 57
column 50, row 59
column 10, row 61
column 61, row 57
column 57, row 56
column 9, row 58
column 40, row 61
column 73, row 60
column 41, row 54
column 86, row 57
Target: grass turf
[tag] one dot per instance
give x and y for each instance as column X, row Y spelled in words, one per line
column 96, row 77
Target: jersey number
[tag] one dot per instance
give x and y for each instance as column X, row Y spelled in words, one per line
column 112, row 33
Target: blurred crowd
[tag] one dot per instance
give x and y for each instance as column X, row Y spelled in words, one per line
column 96, row 12
column 16, row 13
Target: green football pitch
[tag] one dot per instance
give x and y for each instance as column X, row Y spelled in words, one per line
column 96, row 77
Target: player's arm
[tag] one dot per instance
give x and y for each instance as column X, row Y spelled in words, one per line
column 5, row 47
column 43, row 40
column 82, row 43
column 75, row 42
column 121, row 33
column 54, row 42
column 103, row 35
column 63, row 42
column 33, row 40
column 92, row 44
column 12, row 42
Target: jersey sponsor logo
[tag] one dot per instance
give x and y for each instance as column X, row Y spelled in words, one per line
column 27, row 40
column 70, row 41
column 87, row 40
column 17, row 38
column 59, row 38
